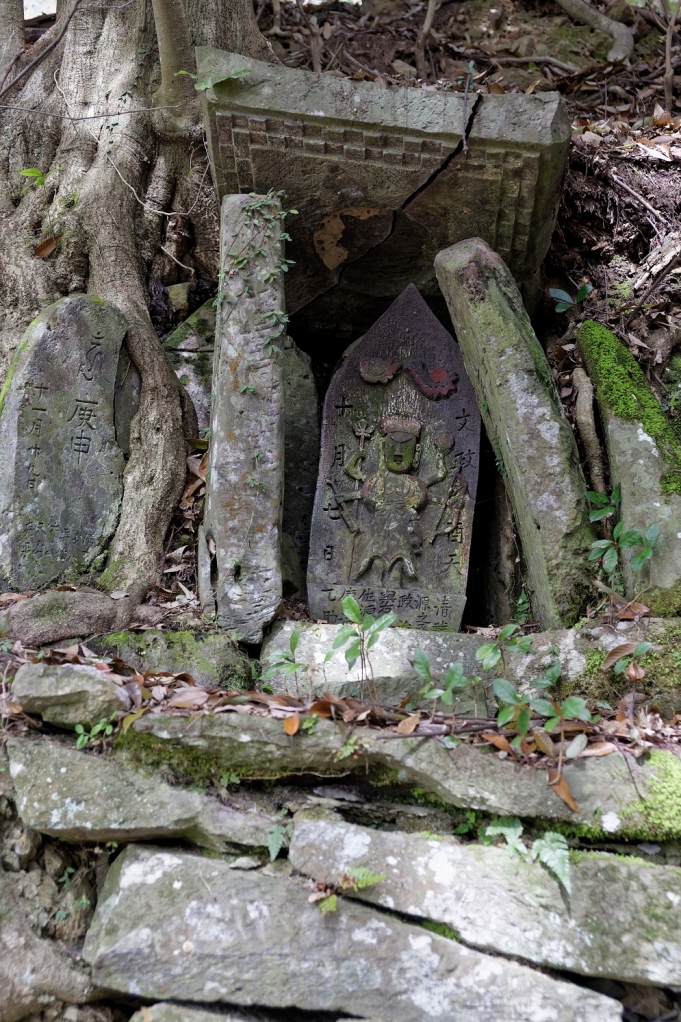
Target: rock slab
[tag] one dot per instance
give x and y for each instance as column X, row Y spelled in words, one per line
column 190, row 349
column 61, row 474
column 171, row 926
column 239, row 559
column 68, row 694
column 301, row 446
column 645, row 459
column 211, row 658
column 449, row 883
column 398, row 475
column 526, row 425
column 79, row 797
column 610, row 800
column 379, row 178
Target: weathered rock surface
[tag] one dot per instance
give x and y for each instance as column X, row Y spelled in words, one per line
column 167, row 1012
column 61, row 474
column 525, row 422
column 34, row 973
column 169, row 925
column 210, row 657
column 450, row 883
column 68, row 694
column 395, row 678
column 379, row 179
column 645, row 459
column 53, row 616
column 611, row 801
column 79, row 797
column 239, row 570
column 190, row 352
column 301, row 446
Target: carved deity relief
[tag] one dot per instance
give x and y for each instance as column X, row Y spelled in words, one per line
column 398, row 475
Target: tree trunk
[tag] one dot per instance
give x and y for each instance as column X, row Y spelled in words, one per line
column 115, row 181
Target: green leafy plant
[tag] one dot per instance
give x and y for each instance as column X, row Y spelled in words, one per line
column 518, row 708
column 509, row 640
column 278, row 837
column 36, row 177
column 102, row 729
column 359, row 877
column 608, row 551
column 572, row 708
column 630, row 666
column 328, row 904
column 308, row 725
column 284, row 661
column 551, row 849
column 359, row 637
column 349, row 748
column 566, row 301
column 437, row 687
column 604, row 505
column 65, row 878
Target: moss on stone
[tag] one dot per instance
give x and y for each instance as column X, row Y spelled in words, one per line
column 658, row 815
column 666, row 602
column 221, row 664
column 622, row 386
column 23, row 344
column 440, row 928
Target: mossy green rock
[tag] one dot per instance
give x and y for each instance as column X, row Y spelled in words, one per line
column 169, row 925
column 78, row 797
column 525, row 422
column 210, row 657
column 190, row 353
column 645, row 459
column 611, row 801
column 447, row 882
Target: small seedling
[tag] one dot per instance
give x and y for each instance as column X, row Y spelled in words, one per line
column 603, row 505
column 509, row 641
column 608, row 551
column 103, row 729
column 359, row 637
column 436, row 687
column 629, row 665
column 566, row 301
column 551, row 849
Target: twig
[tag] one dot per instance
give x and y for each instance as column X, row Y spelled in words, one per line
column 560, row 64
column 353, row 60
column 171, row 256
column 41, row 56
column 420, row 45
column 658, row 280
column 635, row 195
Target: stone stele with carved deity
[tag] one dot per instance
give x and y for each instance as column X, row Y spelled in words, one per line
column 61, row 472
column 398, row 475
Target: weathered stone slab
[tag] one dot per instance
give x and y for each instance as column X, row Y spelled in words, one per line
column 398, row 475
column 379, row 178
column 301, row 446
column 611, row 800
column 61, row 473
column 239, row 573
column 210, row 657
column 448, row 883
column 68, row 694
column 167, row 1012
column 525, row 422
column 78, row 797
column 576, row 649
column 645, row 459
column 248, row 939
column 54, row 615
column 190, row 350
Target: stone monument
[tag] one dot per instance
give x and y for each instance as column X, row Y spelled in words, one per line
column 239, row 566
column 61, row 472
column 380, row 177
column 398, row 475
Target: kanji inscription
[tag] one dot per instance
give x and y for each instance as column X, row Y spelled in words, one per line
column 398, row 475
column 61, row 476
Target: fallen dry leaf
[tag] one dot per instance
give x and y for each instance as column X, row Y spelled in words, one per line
column 408, row 725
column 598, row 749
column 46, row 247
column 626, row 649
column 292, row 723
column 561, row 788
column 544, row 742
column 497, row 740
column 187, row 698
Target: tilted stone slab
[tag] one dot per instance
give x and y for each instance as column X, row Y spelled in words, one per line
column 612, row 799
column 68, row 694
column 239, row 568
column 190, row 353
column 61, row 472
column 452, row 883
column 170, row 925
column 525, row 422
column 645, row 459
column 79, row 797
column 379, row 177
column 167, row 1012
column 301, row 446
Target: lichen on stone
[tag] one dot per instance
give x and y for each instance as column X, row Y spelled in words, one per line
column 658, row 815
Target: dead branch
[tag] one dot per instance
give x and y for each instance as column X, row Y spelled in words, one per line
column 420, row 46
column 623, row 40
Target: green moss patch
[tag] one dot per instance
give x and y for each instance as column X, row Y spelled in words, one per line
column 658, row 815
column 622, row 386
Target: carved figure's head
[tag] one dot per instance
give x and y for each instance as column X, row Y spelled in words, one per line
column 401, row 447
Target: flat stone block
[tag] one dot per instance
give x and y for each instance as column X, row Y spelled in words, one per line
column 250, row 939
column 68, row 694
column 541, row 922
column 79, row 797
column 61, row 473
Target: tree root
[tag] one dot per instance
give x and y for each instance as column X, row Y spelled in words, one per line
column 623, row 41
column 586, row 424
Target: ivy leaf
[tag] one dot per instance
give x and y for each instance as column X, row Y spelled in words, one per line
column 552, row 849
